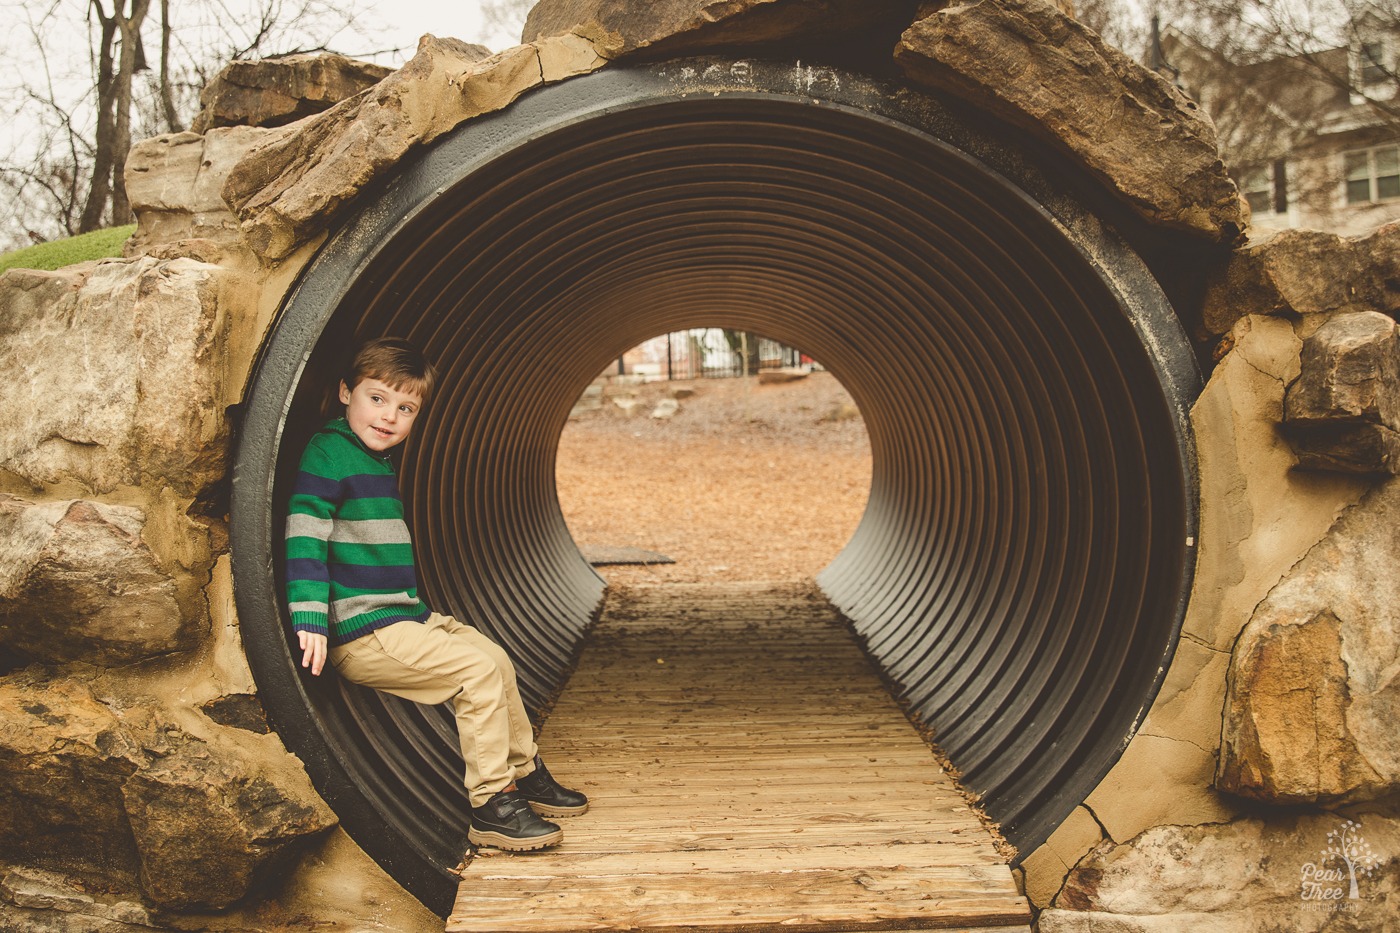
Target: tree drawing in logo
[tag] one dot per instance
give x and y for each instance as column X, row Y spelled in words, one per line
column 1346, row 844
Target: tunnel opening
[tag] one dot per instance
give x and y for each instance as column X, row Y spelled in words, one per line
column 687, row 462
column 1023, row 561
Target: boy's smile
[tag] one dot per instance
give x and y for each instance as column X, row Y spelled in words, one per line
column 380, row 416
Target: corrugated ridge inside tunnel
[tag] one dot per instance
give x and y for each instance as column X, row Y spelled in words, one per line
column 1020, row 566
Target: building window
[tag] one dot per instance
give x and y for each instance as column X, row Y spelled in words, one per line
column 1373, row 62
column 1372, row 174
column 1265, row 187
column 1257, row 190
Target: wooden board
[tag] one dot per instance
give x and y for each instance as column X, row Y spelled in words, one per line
column 747, row 771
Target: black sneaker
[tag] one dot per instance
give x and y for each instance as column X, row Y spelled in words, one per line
column 507, row 822
column 548, row 796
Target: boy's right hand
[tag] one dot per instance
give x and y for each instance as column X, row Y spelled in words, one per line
column 313, row 650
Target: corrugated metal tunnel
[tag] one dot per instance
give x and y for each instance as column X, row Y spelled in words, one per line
column 1022, row 566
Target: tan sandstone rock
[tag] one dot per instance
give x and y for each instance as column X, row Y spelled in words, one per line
column 684, row 27
column 275, row 91
column 119, row 374
column 48, row 902
column 122, row 797
column 1259, row 517
column 63, row 760
column 1307, row 272
column 299, row 182
column 1343, row 411
column 175, row 183
column 1248, row 876
column 1045, row 869
column 1032, row 65
column 1315, row 678
column 77, row 583
column 208, row 827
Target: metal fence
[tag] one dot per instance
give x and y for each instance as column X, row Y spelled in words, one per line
column 708, row 353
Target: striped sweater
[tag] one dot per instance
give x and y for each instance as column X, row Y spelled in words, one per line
column 349, row 556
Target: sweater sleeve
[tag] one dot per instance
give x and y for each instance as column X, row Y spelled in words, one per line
column 315, row 497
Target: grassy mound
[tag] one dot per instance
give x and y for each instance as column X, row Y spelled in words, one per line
column 98, row 244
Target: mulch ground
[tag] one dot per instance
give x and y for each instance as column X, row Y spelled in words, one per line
column 744, row 482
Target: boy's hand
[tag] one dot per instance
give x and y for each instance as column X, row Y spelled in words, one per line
column 313, row 650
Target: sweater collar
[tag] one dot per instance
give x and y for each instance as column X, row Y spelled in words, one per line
column 342, row 426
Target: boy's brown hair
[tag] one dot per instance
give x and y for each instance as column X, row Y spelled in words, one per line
column 395, row 362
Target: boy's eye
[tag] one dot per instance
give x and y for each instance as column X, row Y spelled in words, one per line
column 377, row 399
column 406, row 409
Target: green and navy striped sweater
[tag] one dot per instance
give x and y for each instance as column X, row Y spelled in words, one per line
column 349, row 556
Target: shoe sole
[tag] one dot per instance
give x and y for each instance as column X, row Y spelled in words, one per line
column 545, row 809
column 513, row 843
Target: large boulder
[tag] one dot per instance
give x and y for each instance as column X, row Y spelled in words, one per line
column 175, row 183
column 1247, row 876
column 1314, row 686
column 276, row 91
column 1306, row 272
column 107, row 792
column 208, row 827
column 63, row 760
column 77, row 583
column 300, row 181
column 120, row 374
column 684, row 27
column 1042, row 71
column 1343, row 410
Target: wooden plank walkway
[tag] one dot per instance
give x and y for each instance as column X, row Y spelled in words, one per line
column 748, row 771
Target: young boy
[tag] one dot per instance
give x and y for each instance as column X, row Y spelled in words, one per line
column 353, row 596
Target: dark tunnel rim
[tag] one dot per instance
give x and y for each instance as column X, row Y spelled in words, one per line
column 310, row 303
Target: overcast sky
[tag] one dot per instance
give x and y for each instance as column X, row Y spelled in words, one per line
column 407, row 20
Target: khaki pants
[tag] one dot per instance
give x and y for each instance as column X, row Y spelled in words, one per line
column 440, row 660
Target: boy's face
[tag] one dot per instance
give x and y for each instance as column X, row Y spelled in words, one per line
column 380, row 416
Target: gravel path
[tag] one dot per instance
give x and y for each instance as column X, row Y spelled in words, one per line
column 744, row 482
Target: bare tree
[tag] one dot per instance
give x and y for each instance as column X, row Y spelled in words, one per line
column 86, row 90
column 120, row 54
column 1346, row 47
column 1304, row 94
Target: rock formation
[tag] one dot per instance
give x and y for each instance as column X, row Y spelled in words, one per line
column 1033, row 66
column 128, row 398
column 1343, row 412
column 175, row 185
column 1315, row 677
column 1249, row 875
column 1306, row 272
column 297, row 183
column 275, row 91
column 108, row 794
column 78, row 584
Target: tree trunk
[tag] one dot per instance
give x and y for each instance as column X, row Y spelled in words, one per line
column 132, row 60
column 167, row 91
column 100, row 189
column 119, row 57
